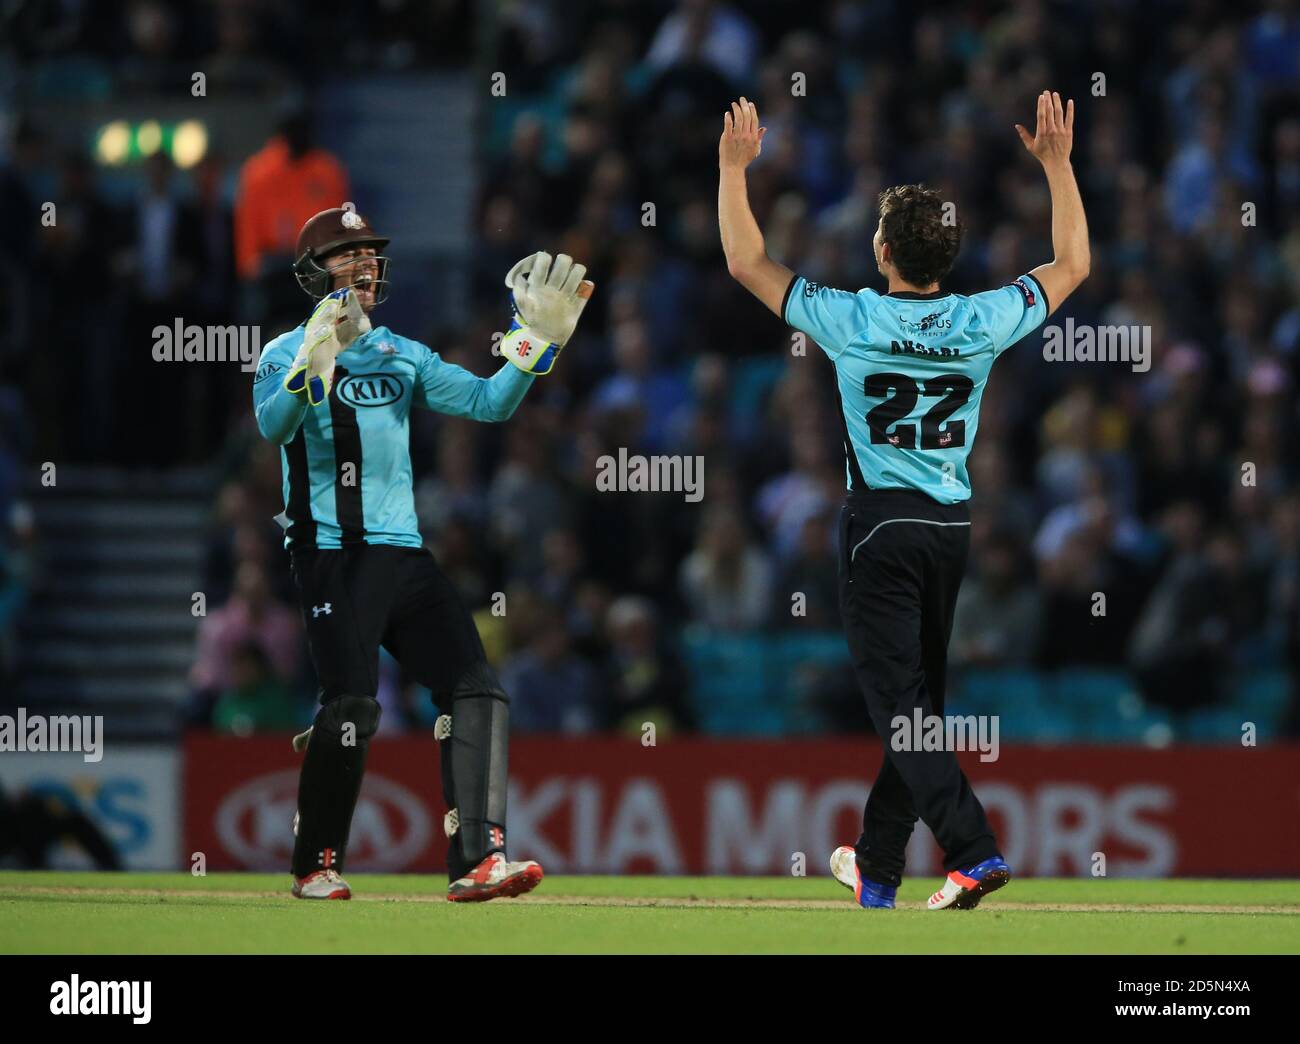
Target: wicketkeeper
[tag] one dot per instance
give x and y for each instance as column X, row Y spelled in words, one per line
column 336, row 395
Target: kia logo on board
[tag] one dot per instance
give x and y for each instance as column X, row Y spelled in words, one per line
column 390, row 829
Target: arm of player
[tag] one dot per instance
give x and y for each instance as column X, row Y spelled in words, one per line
column 447, row 388
column 1050, row 145
column 742, row 239
column 279, row 411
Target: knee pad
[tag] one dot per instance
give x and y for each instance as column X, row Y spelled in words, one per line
column 360, row 712
column 479, row 680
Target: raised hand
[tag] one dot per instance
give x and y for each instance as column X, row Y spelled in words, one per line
column 549, row 295
column 1054, row 134
column 742, row 137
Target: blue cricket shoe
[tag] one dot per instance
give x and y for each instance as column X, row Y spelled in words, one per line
column 871, row 896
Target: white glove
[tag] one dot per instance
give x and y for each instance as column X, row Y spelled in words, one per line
column 352, row 322
column 337, row 321
column 548, row 299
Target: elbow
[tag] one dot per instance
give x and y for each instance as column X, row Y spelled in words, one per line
column 742, row 268
column 494, row 411
column 268, row 432
column 741, row 271
column 276, row 436
column 1081, row 266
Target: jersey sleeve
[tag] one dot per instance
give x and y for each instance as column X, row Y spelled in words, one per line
column 1012, row 311
column 832, row 318
column 447, row 388
column 279, row 412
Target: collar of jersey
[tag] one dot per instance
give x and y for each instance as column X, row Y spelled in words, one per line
column 912, row 295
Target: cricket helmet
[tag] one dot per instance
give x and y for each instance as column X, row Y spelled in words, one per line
column 326, row 233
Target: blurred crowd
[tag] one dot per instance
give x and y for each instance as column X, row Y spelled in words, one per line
column 1142, row 521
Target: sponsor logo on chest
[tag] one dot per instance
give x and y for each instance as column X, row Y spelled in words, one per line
column 371, row 389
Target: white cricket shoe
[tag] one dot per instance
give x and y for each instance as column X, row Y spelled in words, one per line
column 844, row 866
column 321, row 884
column 495, row 878
column 963, row 889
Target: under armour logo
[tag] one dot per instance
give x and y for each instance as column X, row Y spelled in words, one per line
column 321, row 610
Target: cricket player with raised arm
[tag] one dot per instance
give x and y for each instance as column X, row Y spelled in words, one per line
column 336, row 395
column 910, row 367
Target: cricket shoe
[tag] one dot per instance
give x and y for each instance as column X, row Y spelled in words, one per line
column 494, row 878
column 869, row 894
column 964, row 889
column 321, row 884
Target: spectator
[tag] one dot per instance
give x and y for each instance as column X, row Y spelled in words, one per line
column 256, row 699
column 998, row 611
column 726, row 581
column 645, row 678
column 553, row 689
column 812, row 573
column 280, row 187
column 705, row 31
column 249, row 618
column 1179, row 649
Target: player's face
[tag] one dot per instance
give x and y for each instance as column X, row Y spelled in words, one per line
column 355, row 267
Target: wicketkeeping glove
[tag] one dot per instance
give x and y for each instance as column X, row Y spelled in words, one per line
column 337, row 321
column 548, row 301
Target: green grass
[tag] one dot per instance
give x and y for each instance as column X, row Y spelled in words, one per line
column 252, row 913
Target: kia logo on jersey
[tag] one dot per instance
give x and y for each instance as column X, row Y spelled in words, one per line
column 371, row 389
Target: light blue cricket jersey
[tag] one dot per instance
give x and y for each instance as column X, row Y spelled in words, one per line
column 910, row 369
column 365, row 422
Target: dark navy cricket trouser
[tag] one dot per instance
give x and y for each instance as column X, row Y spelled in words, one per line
column 354, row 600
column 357, row 598
column 902, row 558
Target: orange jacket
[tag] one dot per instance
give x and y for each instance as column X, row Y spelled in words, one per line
column 277, row 195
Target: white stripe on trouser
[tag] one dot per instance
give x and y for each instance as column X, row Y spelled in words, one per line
column 923, row 521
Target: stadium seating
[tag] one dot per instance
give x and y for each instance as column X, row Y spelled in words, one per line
column 763, row 685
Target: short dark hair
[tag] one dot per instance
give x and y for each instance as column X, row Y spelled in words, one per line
column 922, row 245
